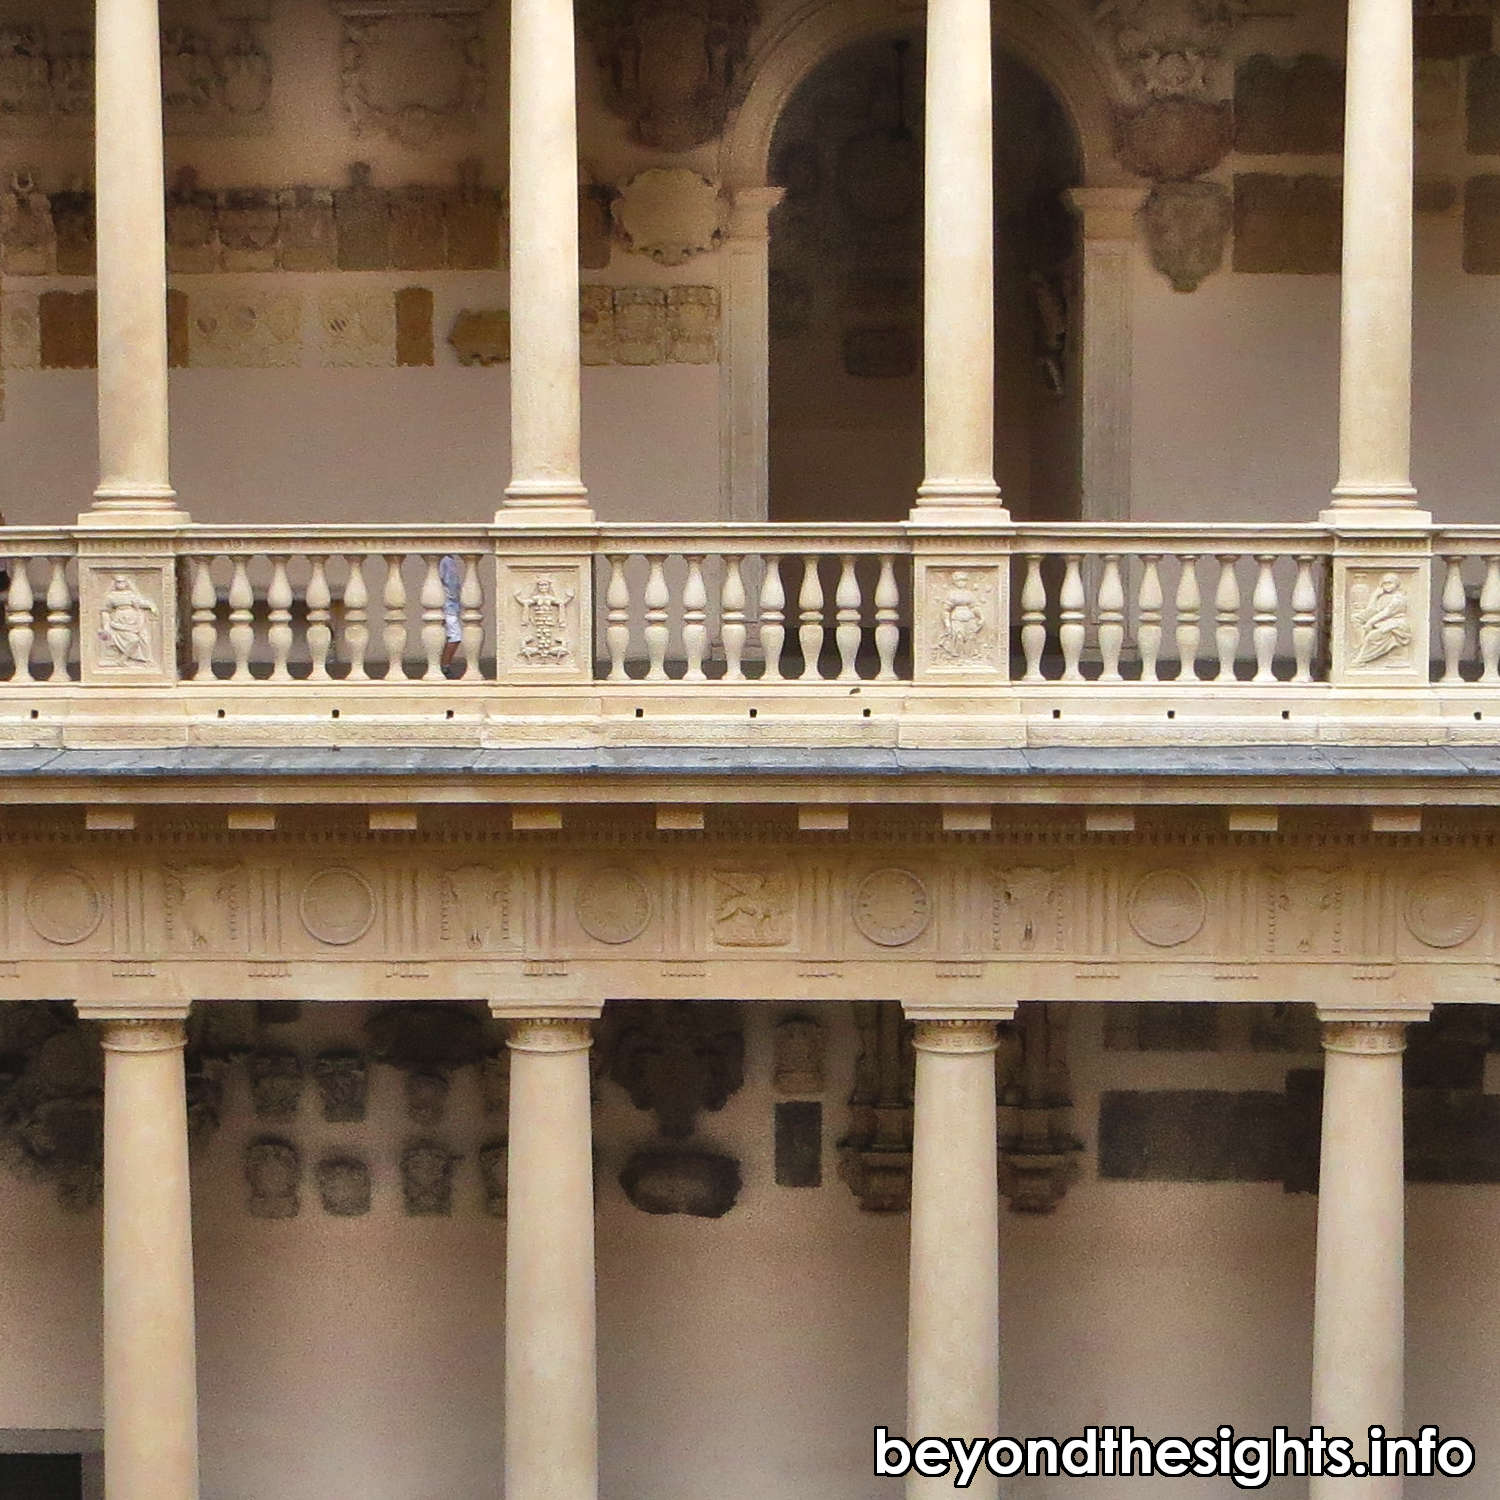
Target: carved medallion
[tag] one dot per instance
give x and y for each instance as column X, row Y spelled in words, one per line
column 337, row 906
column 1443, row 909
column 891, row 907
column 752, row 908
column 1166, row 908
column 613, row 906
column 64, row 906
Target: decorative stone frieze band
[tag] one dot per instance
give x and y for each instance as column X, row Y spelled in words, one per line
column 1367, row 1037
column 955, row 1036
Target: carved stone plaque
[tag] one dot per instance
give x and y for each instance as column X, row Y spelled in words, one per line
column 542, row 607
column 752, row 907
column 891, row 907
column 613, row 906
column 64, row 906
column 126, row 614
column 1443, row 909
column 1380, row 612
column 337, row 906
column 962, row 629
column 1166, row 908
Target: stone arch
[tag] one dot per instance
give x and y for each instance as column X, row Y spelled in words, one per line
column 1058, row 48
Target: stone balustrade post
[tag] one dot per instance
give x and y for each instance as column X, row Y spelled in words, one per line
column 1359, row 1312
column 953, row 1329
column 551, row 1386
column 150, row 1375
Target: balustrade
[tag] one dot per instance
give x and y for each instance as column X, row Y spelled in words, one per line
column 1121, row 610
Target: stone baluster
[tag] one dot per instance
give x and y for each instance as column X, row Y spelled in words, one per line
column 1033, row 618
column 1227, row 617
column 887, row 619
column 1263, row 606
column 733, row 629
column 551, row 1397
column 1304, row 618
column 772, row 619
column 694, row 620
column 356, row 618
column 617, row 618
column 1148, row 621
column 1071, row 613
column 658, row 629
column 1455, row 618
column 810, row 618
column 1188, row 605
column 846, row 633
column 1111, row 619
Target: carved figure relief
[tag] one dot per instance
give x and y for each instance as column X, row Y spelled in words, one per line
column 1443, row 909
column 342, row 1078
column 752, row 907
column 798, row 1066
column 273, row 1171
column 26, row 233
column 963, row 617
column 275, row 1082
column 544, row 623
column 1027, row 912
column 337, row 906
column 202, row 907
column 670, row 66
column 427, row 1178
column 1306, row 910
column 494, row 1166
column 1166, row 908
column 891, row 907
column 669, row 214
column 64, row 906
column 1186, row 226
column 412, row 69
column 20, row 331
column 476, row 907
column 24, row 83
column 613, row 906
column 344, row 1186
column 129, row 624
column 702, row 1184
column 676, row 1057
column 52, row 1101
column 1379, row 620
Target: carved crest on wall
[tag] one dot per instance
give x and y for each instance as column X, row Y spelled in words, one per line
column 476, row 907
column 414, row 70
column 669, row 214
column 670, row 66
column 677, row 1057
column 203, row 905
column 1028, row 909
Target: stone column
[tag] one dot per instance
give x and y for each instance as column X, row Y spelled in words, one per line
column 1103, row 328
column 150, row 1378
column 744, row 360
column 953, row 1331
column 132, row 255
column 1375, row 342
column 551, row 1389
column 958, row 340
column 545, row 421
column 1358, row 1318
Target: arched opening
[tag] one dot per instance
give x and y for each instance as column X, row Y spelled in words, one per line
column 845, row 353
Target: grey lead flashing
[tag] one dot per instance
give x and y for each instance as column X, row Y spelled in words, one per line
column 1257, row 761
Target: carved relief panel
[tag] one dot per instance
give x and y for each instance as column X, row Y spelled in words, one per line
column 545, row 605
column 128, row 621
column 1380, row 615
column 962, row 629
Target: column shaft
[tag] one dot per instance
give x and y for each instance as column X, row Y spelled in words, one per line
column 545, row 414
column 150, row 1381
column 1375, row 341
column 1358, row 1320
column 958, row 349
column 132, row 263
column 953, row 1331
column 551, row 1400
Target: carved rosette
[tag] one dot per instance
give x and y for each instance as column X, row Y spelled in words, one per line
column 1443, row 909
column 1366, row 1038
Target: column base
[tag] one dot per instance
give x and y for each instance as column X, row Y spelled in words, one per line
column 1358, row 507
column 143, row 505
column 534, row 503
column 959, row 503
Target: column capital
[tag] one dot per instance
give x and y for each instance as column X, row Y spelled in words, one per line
column 1366, row 1038
column 142, row 1034
column 955, row 1036
column 1106, row 213
column 132, row 1010
column 557, row 1031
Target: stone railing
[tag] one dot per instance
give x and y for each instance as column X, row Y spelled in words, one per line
column 1031, row 623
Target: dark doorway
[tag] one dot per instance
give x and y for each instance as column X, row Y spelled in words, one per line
column 41, row 1476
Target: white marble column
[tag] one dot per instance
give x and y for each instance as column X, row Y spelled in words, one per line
column 1104, row 330
column 130, row 189
column 1358, row 1318
column 551, row 1395
column 958, row 335
column 745, row 358
column 546, row 462
column 1375, row 341
column 953, row 1330
column 150, row 1376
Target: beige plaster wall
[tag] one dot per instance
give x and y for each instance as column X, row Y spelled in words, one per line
column 741, row 1357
